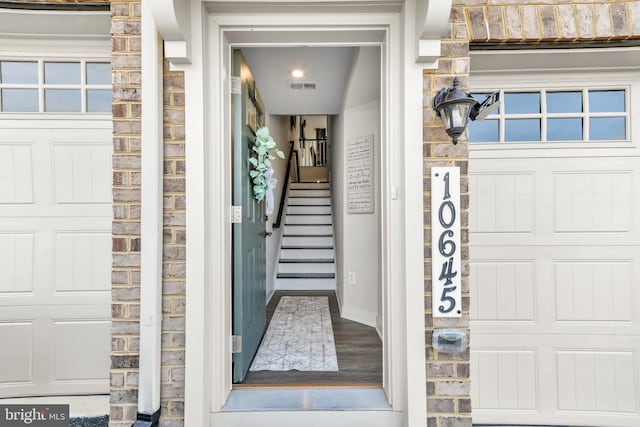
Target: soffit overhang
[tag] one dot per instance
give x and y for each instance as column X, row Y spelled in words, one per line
column 173, row 20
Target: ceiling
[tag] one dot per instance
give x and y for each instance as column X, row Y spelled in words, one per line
column 328, row 67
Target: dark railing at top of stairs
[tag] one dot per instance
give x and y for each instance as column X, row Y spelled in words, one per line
column 292, row 153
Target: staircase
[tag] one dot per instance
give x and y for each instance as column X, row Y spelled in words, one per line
column 306, row 254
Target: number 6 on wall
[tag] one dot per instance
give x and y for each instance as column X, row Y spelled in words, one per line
column 445, row 240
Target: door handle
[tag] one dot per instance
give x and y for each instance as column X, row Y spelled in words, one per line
column 267, row 233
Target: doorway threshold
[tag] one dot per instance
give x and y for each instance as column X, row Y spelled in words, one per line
column 280, row 399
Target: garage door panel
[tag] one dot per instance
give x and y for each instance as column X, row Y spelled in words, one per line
column 596, row 381
column 581, row 201
column 508, row 379
column 581, row 377
column 86, row 362
column 18, row 355
column 503, row 290
column 17, row 262
column 565, row 289
column 592, row 201
column 82, row 173
column 503, row 202
column 16, row 168
column 593, row 291
column 82, row 261
column 16, row 213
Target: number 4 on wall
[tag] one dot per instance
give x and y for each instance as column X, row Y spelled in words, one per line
column 445, row 238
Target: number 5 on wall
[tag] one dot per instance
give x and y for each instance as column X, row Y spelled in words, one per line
column 445, row 238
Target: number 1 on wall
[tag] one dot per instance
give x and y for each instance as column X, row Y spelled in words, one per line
column 445, row 239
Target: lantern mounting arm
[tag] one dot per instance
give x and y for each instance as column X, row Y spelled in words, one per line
column 455, row 107
column 480, row 111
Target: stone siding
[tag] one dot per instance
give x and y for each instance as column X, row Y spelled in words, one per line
column 126, row 108
column 174, row 252
column 509, row 21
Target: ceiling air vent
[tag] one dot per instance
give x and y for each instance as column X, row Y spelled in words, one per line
column 302, row 85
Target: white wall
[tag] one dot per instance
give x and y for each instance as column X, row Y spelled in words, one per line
column 336, row 135
column 358, row 235
column 279, row 130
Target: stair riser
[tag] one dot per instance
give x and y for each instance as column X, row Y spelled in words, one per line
column 309, row 185
column 307, row 241
column 308, row 230
column 306, row 254
column 305, row 284
column 306, row 201
column 308, row 219
column 306, row 268
column 309, row 193
column 309, row 210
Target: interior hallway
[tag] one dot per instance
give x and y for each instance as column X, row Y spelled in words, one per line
column 358, row 347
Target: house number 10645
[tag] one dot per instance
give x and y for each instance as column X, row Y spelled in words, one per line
column 445, row 238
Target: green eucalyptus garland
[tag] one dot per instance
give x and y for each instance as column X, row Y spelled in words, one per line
column 263, row 146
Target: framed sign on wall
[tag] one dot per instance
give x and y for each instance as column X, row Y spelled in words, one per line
column 360, row 184
column 445, row 241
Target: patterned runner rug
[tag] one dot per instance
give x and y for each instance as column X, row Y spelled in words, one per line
column 299, row 337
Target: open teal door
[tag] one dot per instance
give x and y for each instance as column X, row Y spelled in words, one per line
column 249, row 259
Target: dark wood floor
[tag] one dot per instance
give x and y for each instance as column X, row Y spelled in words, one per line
column 358, row 347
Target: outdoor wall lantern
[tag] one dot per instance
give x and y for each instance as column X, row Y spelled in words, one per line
column 455, row 107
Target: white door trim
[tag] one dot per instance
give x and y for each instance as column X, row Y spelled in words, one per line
column 208, row 320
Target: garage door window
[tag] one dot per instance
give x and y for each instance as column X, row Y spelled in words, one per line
column 55, row 87
column 555, row 115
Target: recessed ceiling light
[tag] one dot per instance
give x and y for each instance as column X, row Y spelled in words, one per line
column 297, row 73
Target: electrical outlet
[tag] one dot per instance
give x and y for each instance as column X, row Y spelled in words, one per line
column 352, row 277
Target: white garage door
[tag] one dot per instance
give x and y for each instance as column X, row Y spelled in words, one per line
column 554, row 184
column 55, row 227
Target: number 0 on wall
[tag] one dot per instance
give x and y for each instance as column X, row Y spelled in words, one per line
column 445, row 242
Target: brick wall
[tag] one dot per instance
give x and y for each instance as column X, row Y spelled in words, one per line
column 126, row 227
column 448, row 386
column 126, row 77
column 174, row 252
column 550, row 20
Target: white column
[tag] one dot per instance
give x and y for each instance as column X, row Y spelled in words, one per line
column 151, row 218
column 413, row 221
